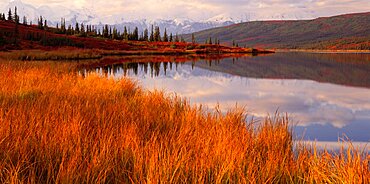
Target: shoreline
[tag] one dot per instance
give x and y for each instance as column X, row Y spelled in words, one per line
column 86, row 54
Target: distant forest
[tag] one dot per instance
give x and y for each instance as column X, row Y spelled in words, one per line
column 81, row 30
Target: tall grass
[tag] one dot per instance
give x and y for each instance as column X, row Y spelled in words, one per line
column 58, row 127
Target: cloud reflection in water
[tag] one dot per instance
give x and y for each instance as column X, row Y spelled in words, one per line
column 323, row 110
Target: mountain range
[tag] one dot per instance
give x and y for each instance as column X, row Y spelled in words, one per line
column 53, row 15
column 85, row 15
column 349, row 31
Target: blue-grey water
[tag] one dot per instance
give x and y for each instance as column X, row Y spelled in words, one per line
column 326, row 95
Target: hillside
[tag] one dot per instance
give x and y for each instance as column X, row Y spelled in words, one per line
column 351, row 31
column 25, row 37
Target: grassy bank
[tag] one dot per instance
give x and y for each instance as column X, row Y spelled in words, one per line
column 58, row 127
column 69, row 53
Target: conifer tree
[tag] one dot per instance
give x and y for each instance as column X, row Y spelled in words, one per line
column 165, row 36
column 210, row 41
column 77, row 28
column 10, row 17
column 157, row 34
column 105, row 31
column 146, row 35
column 40, row 23
column 16, row 17
column 24, row 20
column 45, row 24
column 171, row 38
column 110, row 32
column 193, row 38
column 69, row 30
column 63, row 25
column 125, row 33
column 83, row 32
column 115, row 33
column 152, row 35
column 135, row 34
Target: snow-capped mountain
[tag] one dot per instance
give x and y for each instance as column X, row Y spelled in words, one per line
column 53, row 15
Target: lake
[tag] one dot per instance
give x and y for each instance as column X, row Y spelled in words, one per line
column 327, row 95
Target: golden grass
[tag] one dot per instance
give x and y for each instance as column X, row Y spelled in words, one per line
column 58, row 127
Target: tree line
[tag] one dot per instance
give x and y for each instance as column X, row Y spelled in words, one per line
column 108, row 32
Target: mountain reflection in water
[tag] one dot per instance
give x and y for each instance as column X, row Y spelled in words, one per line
column 327, row 94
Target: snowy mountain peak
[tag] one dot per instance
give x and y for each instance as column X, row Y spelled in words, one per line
column 88, row 16
column 220, row 18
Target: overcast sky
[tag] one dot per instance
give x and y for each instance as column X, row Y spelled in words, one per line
column 203, row 9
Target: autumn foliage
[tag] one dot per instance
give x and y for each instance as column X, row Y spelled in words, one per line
column 57, row 126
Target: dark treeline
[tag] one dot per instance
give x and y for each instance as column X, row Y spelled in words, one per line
column 82, row 30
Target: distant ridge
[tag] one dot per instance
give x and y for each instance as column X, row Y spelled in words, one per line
column 349, row 31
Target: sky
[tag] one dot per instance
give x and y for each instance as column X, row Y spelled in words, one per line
column 204, row 9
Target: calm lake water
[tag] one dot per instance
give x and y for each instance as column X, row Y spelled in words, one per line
column 327, row 95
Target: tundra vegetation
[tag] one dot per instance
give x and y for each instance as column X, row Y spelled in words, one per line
column 57, row 126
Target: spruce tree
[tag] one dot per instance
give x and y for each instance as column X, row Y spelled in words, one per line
column 165, row 37
column 125, row 33
column 69, row 30
column 45, row 24
column 10, row 14
column 146, row 35
column 193, row 38
column 105, row 31
column 115, row 33
column 16, row 17
column 157, row 34
column 152, row 35
column 24, row 20
column 171, row 38
column 77, row 28
column 135, row 35
column 63, row 25
column 83, row 32
column 40, row 23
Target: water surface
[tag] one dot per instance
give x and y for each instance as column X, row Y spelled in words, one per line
column 327, row 95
